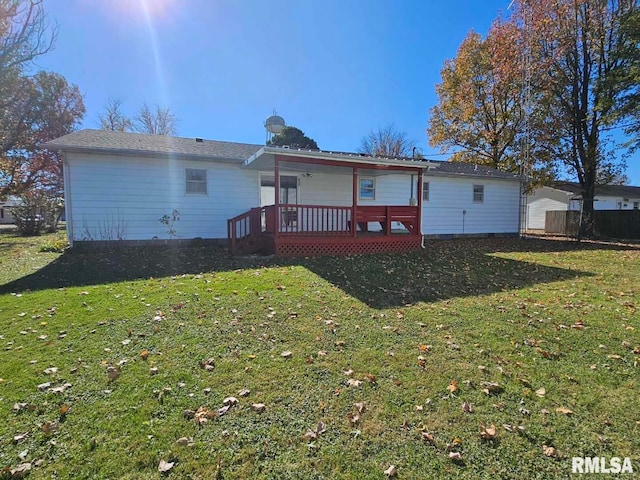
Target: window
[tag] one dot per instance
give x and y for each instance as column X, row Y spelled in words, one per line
column 196, row 180
column 367, row 189
column 425, row 191
column 636, row 205
column 478, row 193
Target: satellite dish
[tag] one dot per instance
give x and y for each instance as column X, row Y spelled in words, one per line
column 274, row 124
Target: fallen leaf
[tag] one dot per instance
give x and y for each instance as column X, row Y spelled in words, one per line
column 112, row 373
column 360, row 406
column 64, row 409
column 372, row 378
column 453, row 386
column 467, row 408
column 244, row 392
column 20, row 471
column 184, row 441
column 258, row 407
column 50, row 370
column 488, row 433
column 391, row 471
column 222, row 410
column 428, row 437
column 563, row 410
column 550, row 451
column 354, row 383
column 20, row 437
column 354, row 418
column 153, row 371
column 348, row 373
column 164, row 467
column 208, row 364
column 43, row 386
column 541, row 392
column 144, row 354
column 455, row 456
column 286, row 354
column 230, row 401
column 492, row 388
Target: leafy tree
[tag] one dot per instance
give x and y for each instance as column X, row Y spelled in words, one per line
column 41, row 108
column 293, row 137
column 387, row 142
column 584, row 56
column 480, row 109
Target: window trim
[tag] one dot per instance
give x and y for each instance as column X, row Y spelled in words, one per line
column 428, row 191
column 197, row 182
column 481, row 193
column 373, row 181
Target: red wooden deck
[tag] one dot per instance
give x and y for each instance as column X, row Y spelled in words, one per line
column 310, row 230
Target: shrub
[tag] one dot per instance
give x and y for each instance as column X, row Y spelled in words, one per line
column 37, row 211
column 56, row 245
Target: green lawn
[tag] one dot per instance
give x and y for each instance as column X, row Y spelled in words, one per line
column 540, row 338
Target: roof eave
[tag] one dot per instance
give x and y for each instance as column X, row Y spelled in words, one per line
column 140, row 153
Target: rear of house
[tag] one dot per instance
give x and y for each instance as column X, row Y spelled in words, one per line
column 118, row 187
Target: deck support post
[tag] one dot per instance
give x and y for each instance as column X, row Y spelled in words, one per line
column 354, row 203
column 276, row 171
column 419, row 190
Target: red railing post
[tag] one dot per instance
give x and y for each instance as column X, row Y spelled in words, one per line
column 387, row 223
column 354, row 203
column 419, row 214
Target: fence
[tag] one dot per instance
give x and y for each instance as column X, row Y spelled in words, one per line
column 607, row 223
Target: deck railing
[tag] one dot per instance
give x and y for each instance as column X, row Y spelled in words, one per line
column 247, row 231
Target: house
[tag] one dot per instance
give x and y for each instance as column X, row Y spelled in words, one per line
column 118, row 186
column 568, row 195
column 5, row 211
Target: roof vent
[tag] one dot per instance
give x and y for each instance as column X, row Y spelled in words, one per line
column 199, row 140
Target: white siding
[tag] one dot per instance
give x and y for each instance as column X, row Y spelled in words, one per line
column 542, row 200
column 449, row 197
column 129, row 195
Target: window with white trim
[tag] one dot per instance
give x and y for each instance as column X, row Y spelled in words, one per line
column 196, row 181
column 425, row 191
column 367, row 189
column 636, row 205
column 478, row 193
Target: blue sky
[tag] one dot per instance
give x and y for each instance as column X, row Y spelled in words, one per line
column 335, row 69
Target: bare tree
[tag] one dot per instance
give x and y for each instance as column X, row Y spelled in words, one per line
column 387, row 142
column 24, row 32
column 113, row 119
column 160, row 122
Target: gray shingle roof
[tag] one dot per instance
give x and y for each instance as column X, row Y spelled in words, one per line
column 135, row 143
column 605, row 190
column 109, row 141
column 469, row 169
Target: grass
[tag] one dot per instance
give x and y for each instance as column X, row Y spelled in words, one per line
column 527, row 315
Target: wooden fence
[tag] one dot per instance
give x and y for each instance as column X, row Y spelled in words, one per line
column 607, row 223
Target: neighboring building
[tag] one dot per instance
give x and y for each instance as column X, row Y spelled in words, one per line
column 5, row 211
column 288, row 201
column 567, row 196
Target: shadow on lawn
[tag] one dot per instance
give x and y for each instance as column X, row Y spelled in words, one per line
column 445, row 269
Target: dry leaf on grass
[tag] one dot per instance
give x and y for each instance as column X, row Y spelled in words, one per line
column 391, row 471
column 354, row 383
column 467, row 408
column 360, row 406
column 541, row 392
column 565, row 411
column 453, row 386
column 488, row 433
column 550, row 451
column 164, row 467
column 258, row 407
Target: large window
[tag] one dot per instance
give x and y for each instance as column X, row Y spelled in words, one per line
column 367, row 189
column 196, row 179
column 478, row 193
column 425, row 191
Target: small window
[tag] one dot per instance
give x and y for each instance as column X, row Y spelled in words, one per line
column 478, row 193
column 425, row 191
column 367, row 189
column 196, row 180
column 636, row 205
